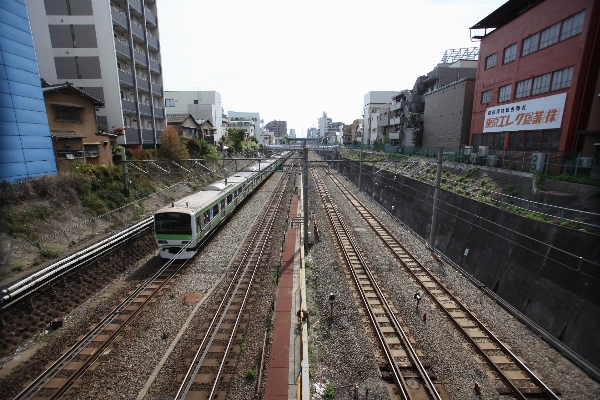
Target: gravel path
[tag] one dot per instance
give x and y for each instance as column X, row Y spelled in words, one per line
column 442, row 345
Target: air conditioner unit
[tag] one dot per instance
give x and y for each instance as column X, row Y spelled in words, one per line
column 468, row 150
column 492, row 160
column 537, row 162
column 586, row 162
column 483, row 151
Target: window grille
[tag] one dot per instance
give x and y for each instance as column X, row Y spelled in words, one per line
column 562, row 78
column 504, row 93
column 530, row 44
column 572, row 26
column 549, row 35
column 486, row 97
column 490, row 61
column 541, row 84
column 510, row 53
column 523, row 89
column 67, row 114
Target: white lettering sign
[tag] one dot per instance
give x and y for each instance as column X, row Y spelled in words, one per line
column 543, row 113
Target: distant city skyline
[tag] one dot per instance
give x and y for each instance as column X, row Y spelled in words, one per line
column 311, row 56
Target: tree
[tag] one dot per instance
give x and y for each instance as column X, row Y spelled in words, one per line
column 199, row 148
column 237, row 136
column 171, row 145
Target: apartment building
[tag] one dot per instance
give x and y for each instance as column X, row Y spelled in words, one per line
column 25, row 144
column 203, row 105
column 537, row 78
column 279, row 128
column 243, row 116
column 351, row 132
column 109, row 49
column 373, row 101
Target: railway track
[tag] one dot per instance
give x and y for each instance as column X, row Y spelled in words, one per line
column 66, row 371
column 403, row 366
column 517, row 379
column 211, row 368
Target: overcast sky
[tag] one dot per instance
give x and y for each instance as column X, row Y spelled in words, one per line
column 292, row 60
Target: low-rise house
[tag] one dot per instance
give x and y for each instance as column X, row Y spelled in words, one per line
column 185, row 125
column 74, row 127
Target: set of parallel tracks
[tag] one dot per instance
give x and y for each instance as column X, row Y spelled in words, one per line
column 66, row 371
column 403, row 364
column 212, row 366
column 516, row 377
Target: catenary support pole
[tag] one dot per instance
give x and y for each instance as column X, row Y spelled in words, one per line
column 360, row 170
column 305, row 195
column 125, row 170
column 438, row 176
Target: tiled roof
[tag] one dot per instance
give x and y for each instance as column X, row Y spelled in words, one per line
column 47, row 88
column 177, row 118
column 66, row 135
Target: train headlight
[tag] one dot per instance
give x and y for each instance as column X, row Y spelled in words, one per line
column 162, row 242
column 185, row 242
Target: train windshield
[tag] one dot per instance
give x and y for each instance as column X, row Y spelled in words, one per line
column 173, row 223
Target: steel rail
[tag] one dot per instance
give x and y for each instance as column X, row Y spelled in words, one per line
column 75, row 350
column 331, row 211
column 390, row 243
column 221, row 312
column 48, row 274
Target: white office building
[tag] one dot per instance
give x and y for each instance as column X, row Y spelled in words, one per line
column 205, row 104
column 111, row 50
column 254, row 116
column 373, row 101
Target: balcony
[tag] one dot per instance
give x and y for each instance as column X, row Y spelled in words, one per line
column 137, row 31
column 153, row 43
column 394, row 135
column 68, row 154
column 150, row 18
column 143, row 84
column 154, row 66
column 140, row 58
column 123, row 49
column 136, row 6
column 148, row 136
column 119, row 18
column 132, row 135
column 159, row 113
column 125, row 78
column 128, row 106
column 157, row 89
column 92, row 153
column 145, row 110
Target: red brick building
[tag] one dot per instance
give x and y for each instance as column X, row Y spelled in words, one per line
column 537, row 77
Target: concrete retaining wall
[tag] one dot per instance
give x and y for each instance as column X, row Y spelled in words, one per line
column 519, row 258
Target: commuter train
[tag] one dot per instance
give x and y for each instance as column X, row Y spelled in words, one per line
column 187, row 221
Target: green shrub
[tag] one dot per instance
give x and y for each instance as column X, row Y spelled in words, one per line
column 48, row 252
column 250, row 374
column 17, row 267
column 329, row 391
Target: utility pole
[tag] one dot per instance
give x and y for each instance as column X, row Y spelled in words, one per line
column 360, row 170
column 438, row 176
column 305, row 195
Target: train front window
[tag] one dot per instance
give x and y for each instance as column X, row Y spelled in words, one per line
column 173, row 223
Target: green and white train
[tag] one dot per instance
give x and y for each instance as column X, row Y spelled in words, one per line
column 186, row 222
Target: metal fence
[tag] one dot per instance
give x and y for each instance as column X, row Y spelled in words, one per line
column 580, row 164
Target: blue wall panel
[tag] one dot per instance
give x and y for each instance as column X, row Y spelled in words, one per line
column 25, row 144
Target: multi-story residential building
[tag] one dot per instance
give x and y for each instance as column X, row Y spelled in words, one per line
column 538, row 78
column 204, row 104
column 351, row 133
column 25, row 143
column 279, row 128
column 372, row 103
column 312, row 133
column 292, row 133
column 324, row 125
column 109, row 49
column 254, row 116
column 246, row 124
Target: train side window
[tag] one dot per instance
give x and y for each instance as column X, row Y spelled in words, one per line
column 215, row 210
column 229, row 198
column 198, row 226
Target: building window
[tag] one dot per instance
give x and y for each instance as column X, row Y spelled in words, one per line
column 515, row 141
column 169, row 102
column 195, row 101
column 530, row 44
column 510, row 53
column 490, row 61
column 486, row 96
column 486, row 139
column 68, row 114
column 562, row 78
column 549, row 35
column 498, row 141
column 504, row 93
column 477, row 139
column 551, row 140
column 532, row 140
column 541, row 84
column 523, row 89
column 572, row 26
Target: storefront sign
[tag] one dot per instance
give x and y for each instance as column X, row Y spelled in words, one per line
column 541, row 113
